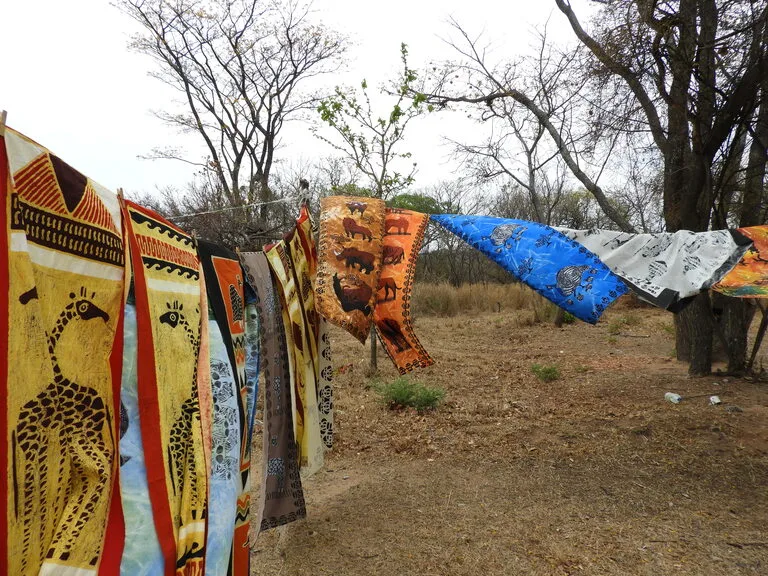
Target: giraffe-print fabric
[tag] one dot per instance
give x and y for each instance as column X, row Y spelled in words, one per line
column 60, row 396
column 168, row 308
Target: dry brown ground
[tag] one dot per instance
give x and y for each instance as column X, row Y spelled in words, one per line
column 591, row 474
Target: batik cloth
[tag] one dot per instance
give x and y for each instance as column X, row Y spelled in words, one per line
column 225, row 286
column 749, row 277
column 349, row 262
column 282, row 498
column 403, row 234
column 224, row 482
column 142, row 555
column 289, row 261
column 169, row 301
column 62, row 273
column 561, row 270
column 664, row 269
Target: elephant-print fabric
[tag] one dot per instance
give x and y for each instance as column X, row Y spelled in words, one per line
column 349, row 261
column 403, row 234
column 749, row 277
column 664, row 269
column 561, row 270
column 63, row 276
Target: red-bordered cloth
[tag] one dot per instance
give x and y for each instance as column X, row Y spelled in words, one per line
column 169, row 300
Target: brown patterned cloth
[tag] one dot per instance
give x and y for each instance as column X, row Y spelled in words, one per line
column 349, row 263
column 282, row 498
column 403, row 233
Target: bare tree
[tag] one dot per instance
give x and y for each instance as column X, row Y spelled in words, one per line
column 238, row 66
column 533, row 98
column 677, row 75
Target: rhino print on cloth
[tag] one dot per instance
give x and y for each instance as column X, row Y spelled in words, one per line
column 349, row 260
column 556, row 267
column 665, row 269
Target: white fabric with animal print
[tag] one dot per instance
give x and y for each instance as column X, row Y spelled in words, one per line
column 663, row 268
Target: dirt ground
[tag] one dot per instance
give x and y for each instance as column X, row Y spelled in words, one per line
column 594, row 473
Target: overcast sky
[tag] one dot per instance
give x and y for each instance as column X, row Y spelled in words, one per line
column 70, row 83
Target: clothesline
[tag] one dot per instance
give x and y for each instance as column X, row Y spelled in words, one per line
column 228, row 208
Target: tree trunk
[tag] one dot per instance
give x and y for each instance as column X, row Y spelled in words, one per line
column 736, row 318
column 559, row 317
column 693, row 335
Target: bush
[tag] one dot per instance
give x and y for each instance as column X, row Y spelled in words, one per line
column 546, row 373
column 402, row 393
column 568, row 318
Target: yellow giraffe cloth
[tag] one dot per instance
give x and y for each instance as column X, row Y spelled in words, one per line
column 65, row 275
column 169, row 301
column 292, row 260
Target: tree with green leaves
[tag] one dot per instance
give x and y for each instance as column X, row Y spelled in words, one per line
column 372, row 141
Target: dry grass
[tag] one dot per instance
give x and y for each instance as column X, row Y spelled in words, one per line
column 592, row 474
column 449, row 301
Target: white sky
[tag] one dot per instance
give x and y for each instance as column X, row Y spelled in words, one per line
column 70, row 83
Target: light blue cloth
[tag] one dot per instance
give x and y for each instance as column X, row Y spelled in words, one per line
column 224, row 482
column 561, row 270
column 142, row 555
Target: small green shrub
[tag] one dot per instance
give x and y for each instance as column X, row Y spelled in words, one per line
column 629, row 320
column 568, row 318
column 402, row 393
column 545, row 372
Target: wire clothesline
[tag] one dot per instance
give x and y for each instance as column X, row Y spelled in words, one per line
column 228, row 208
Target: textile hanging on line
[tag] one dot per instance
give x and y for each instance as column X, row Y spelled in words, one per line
column 561, row 270
column 225, row 287
column 403, row 234
column 289, row 261
column 749, row 277
column 169, row 301
column 349, row 263
column 665, row 269
column 282, row 498
column 142, row 554
column 223, row 482
column 63, row 272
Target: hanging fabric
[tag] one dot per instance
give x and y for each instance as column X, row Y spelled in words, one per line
column 561, row 270
column 282, row 498
column 403, row 234
column 169, row 301
column 665, row 269
column 749, row 277
column 289, row 260
column 225, row 287
column 64, row 278
column 349, row 263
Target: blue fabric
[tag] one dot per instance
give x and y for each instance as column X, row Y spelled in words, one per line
column 223, row 484
column 561, row 270
column 142, row 555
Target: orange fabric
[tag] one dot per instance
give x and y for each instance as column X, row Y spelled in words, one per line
column 349, row 260
column 403, row 234
column 749, row 278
